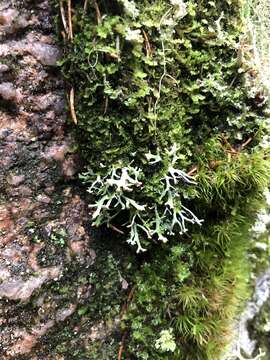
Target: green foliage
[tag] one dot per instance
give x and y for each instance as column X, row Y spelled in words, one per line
column 152, row 95
column 171, row 123
column 195, row 289
column 166, row 341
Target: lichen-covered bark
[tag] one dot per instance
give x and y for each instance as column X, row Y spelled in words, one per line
column 46, row 252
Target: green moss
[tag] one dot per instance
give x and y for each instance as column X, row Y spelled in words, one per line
column 196, row 289
column 162, row 89
column 152, row 96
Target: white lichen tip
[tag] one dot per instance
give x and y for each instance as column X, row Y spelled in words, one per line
column 130, row 8
column 181, row 8
column 124, row 181
column 153, row 159
column 134, row 35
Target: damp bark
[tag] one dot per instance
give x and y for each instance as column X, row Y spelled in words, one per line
column 51, row 285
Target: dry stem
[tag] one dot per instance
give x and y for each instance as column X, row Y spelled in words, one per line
column 148, row 48
column 85, row 5
column 63, row 17
column 70, row 32
column 122, row 346
column 72, row 107
column 193, row 170
column 124, row 310
column 116, row 229
column 98, row 14
column 246, row 142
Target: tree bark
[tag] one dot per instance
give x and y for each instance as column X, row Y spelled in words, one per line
column 43, row 233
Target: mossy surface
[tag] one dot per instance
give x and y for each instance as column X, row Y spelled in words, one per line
column 99, row 291
column 170, row 121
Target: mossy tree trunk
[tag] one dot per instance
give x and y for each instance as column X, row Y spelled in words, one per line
column 48, row 268
column 171, row 121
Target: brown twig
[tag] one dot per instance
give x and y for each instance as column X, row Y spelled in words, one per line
column 131, row 294
column 148, row 47
column 116, row 229
column 125, row 306
column 240, row 148
column 123, row 311
column 122, row 346
column 70, row 29
column 85, row 5
column 246, row 143
column 232, row 150
column 106, row 105
column 72, row 107
column 193, row 170
column 63, row 17
column 64, row 35
column 98, row 14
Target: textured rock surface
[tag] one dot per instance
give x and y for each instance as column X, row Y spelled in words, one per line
column 42, row 218
column 259, row 327
column 253, row 326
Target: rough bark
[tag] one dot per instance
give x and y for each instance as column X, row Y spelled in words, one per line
column 43, row 234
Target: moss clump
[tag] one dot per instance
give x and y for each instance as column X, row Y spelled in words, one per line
column 196, row 288
column 170, row 122
column 154, row 100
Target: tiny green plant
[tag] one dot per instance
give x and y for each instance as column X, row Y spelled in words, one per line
column 166, row 341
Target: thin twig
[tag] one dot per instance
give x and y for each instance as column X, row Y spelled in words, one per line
column 246, row 142
column 193, row 170
column 117, row 43
column 148, row 48
column 131, row 294
column 63, row 17
column 116, row 229
column 124, row 310
column 85, row 5
column 125, row 306
column 106, row 105
column 164, row 63
column 232, row 150
column 72, row 107
column 64, row 35
column 70, row 32
column 162, row 77
column 241, row 147
column 98, row 14
column 122, row 346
